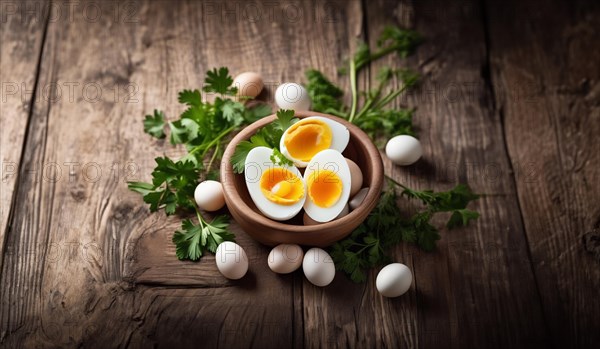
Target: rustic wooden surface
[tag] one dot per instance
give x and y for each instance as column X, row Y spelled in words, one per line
column 509, row 103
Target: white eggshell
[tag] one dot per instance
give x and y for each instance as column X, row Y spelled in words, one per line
column 404, row 150
column 257, row 162
column 318, row 267
column 356, row 177
column 231, row 260
column 332, row 160
column 209, row 196
column 358, row 199
column 290, row 95
column 285, row 258
column 249, row 84
column 394, row 280
column 340, row 136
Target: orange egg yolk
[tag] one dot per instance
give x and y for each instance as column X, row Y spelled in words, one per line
column 305, row 139
column 281, row 186
column 324, row 188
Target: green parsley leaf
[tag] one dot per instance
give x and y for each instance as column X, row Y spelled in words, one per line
column 403, row 41
column 268, row 136
column 279, row 159
column 232, row 111
column 257, row 112
column 192, row 241
column 324, row 95
column 154, row 124
column 461, row 218
column 219, row 81
column 183, row 130
column 190, row 98
column 285, row 119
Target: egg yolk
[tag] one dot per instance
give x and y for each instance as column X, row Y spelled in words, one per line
column 304, row 139
column 281, row 186
column 324, row 188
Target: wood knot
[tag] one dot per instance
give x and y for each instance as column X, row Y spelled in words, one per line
column 122, row 211
column 591, row 241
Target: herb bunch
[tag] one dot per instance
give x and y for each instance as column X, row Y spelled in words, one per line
column 367, row 246
column 203, row 128
column 268, row 136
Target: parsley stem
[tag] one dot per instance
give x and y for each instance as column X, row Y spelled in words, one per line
column 199, row 215
column 207, row 147
column 389, row 97
column 212, row 158
column 353, row 71
column 396, row 182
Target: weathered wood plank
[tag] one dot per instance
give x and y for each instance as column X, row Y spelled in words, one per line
column 547, row 86
column 277, row 47
column 76, row 238
column 21, row 35
column 477, row 289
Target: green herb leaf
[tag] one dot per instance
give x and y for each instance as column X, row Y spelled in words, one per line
column 219, row 81
column 190, row 98
column 192, row 240
column 183, row 130
column 154, row 124
column 461, row 218
column 268, row 136
column 324, row 95
column 257, row 112
column 285, row 119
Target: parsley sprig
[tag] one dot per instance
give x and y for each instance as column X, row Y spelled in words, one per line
column 203, row 128
column 268, row 136
column 368, row 245
column 368, row 109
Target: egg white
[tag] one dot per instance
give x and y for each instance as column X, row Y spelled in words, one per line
column 332, row 160
column 340, row 136
column 257, row 162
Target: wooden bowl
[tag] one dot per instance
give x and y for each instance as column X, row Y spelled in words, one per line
column 269, row 232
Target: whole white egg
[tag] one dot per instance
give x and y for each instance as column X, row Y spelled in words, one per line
column 318, row 267
column 404, row 150
column 285, row 258
column 209, row 196
column 356, row 176
column 327, row 178
column 231, row 260
column 278, row 191
column 358, row 199
column 290, row 95
column 249, row 84
column 394, row 280
column 304, row 139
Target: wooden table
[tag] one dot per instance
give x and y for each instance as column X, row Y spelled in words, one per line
column 509, row 103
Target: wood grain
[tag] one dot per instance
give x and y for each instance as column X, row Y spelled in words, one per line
column 547, row 87
column 78, row 250
column 21, row 37
column 472, row 290
column 86, row 265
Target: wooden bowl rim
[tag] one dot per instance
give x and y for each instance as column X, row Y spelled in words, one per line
column 227, row 175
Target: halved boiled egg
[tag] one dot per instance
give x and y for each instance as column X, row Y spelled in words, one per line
column 328, row 183
column 277, row 191
column 304, row 139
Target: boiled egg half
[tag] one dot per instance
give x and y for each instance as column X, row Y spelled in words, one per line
column 307, row 137
column 328, row 184
column 278, row 191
